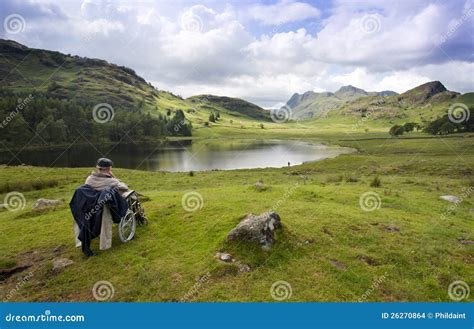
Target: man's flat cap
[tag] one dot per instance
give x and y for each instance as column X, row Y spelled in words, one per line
column 104, row 163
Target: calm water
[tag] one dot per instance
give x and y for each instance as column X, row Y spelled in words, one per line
column 181, row 156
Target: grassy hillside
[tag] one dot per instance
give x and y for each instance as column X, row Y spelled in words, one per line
column 233, row 106
column 421, row 104
column 329, row 250
column 75, row 78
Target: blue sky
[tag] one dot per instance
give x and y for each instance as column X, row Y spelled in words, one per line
column 263, row 51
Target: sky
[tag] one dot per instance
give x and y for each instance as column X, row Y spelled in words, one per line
column 262, row 51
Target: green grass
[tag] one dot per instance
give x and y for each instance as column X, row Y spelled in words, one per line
column 406, row 241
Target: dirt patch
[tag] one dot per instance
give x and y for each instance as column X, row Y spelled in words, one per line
column 326, row 231
column 368, row 260
column 5, row 273
column 32, row 260
column 338, row 264
column 390, row 228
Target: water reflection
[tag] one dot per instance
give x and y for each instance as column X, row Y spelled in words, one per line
column 184, row 155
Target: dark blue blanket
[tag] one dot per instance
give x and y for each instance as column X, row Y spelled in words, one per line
column 87, row 207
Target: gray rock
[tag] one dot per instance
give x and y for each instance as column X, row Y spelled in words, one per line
column 243, row 268
column 60, row 263
column 43, row 203
column 257, row 228
column 261, row 186
column 450, row 198
column 225, row 257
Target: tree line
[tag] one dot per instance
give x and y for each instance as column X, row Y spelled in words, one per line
column 39, row 119
column 441, row 126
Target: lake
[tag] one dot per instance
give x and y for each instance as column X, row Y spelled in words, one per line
column 186, row 155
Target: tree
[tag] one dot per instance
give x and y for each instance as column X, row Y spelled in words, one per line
column 178, row 125
column 396, row 130
column 212, row 118
column 409, row 126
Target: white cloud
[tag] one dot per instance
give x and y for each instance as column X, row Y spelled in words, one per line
column 284, row 11
column 216, row 48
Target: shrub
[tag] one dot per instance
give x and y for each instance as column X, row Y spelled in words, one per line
column 376, row 182
column 396, row 130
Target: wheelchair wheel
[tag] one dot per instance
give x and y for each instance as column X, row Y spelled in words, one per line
column 127, row 226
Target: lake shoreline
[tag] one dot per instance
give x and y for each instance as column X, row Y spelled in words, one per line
column 184, row 155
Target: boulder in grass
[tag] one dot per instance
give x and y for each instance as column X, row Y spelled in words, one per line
column 450, row 198
column 257, row 228
column 225, row 257
column 45, row 203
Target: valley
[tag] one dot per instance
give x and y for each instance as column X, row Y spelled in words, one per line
column 374, row 215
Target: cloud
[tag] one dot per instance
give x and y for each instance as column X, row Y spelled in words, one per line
column 208, row 47
column 284, row 11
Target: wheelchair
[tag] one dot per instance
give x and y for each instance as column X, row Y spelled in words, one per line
column 135, row 215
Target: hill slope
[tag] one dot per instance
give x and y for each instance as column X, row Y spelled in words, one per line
column 232, row 106
column 312, row 104
column 421, row 103
column 80, row 79
column 89, row 81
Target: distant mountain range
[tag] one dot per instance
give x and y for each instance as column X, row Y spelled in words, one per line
column 311, row 104
column 86, row 82
column 423, row 103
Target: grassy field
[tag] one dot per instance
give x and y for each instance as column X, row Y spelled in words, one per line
column 410, row 248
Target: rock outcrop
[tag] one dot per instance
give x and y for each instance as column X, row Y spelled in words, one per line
column 257, row 228
column 60, row 263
